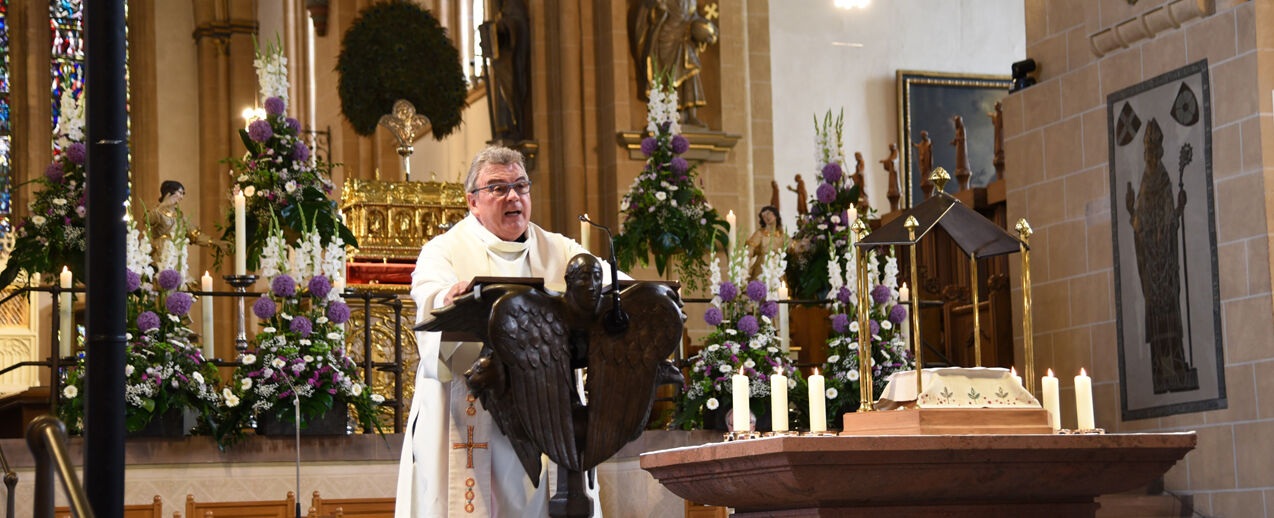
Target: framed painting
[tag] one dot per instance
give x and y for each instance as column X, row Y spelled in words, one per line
column 1163, row 227
column 928, row 102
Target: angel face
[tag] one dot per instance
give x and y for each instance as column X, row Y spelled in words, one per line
column 584, row 282
column 505, row 216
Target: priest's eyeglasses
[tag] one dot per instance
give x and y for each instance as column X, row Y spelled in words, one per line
column 500, row 190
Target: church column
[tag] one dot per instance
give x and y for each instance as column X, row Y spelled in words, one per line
column 143, row 105
column 29, row 97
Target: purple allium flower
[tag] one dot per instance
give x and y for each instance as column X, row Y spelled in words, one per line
column 832, row 172
column 54, row 172
column 748, row 325
column 844, row 295
column 648, row 146
column 840, row 323
column 294, row 124
column 898, row 314
column 713, row 316
column 76, row 153
column 770, row 308
column 283, row 285
column 320, row 286
column 826, row 193
column 728, row 291
column 680, row 144
column 679, row 165
column 259, row 131
column 338, row 312
column 875, row 327
column 179, row 303
column 300, row 152
column 756, row 291
column 132, row 281
column 147, row 321
column 275, row 106
column 880, row 293
column 301, row 326
column 169, row 280
column 263, row 308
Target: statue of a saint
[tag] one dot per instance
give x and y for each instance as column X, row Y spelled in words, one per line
column 997, row 122
column 666, row 37
column 924, row 160
column 769, row 236
column 802, row 196
column 962, row 173
column 170, row 232
column 892, row 168
column 859, row 180
column 506, row 41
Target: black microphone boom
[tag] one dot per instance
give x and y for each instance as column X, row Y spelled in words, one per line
column 616, row 320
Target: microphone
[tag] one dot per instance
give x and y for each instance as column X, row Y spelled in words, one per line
column 616, row 321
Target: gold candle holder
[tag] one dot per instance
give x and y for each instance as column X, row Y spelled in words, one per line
column 1028, row 339
column 916, row 342
column 977, row 324
column 866, row 403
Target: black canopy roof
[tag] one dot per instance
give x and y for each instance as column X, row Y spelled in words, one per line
column 972, row 232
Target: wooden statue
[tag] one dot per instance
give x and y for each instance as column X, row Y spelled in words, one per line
column 997, row 121
column 893, row 193
column 506, row 41
column 769, row 236
column 666, row 37
column 924, row 160
column 802, row 196
column 963, row 174
column 860, row 182
column 774, row 194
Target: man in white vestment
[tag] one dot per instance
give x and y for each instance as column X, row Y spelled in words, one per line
column 455, row 462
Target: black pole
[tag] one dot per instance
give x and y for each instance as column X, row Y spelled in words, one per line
column 106, row 186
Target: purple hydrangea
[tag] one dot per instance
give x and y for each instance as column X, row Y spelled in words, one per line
column 769, row 309
column 263, row 308
column 54, row 172
column 294, row 124
column 648, row 146
column 748, row 325
column 844, row 295
column 320, row 286
column 713, row 316
column 301, row 326
column 728, row 291
column 338, row 312
column 283, row 285
column 179, row 303
column 275, row 106
column 680, row 144
column 169, row 280
column 76, row 153
column 132, row 281
column 679, row 165
column 832, row 172
column 881, row 293
column 756, row 291
column 259, row 131
column 840, row 323
column 147, row 320
column 300, row 152
column 898, row 314
column 826, row 193
column 875, row 327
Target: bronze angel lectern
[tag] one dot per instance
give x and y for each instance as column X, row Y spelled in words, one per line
column 535, row 338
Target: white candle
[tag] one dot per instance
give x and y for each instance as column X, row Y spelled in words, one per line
column 584, row 234
column 240, row 240
column 1049, row 387
column 785, row 333
column 778, row 401
column 742, row 414
column 1018, row 379
column 853, row 215
column 904, row 293
column 64, row 311
column 734, row 231
column 206, row 303
column 818, row 403
column 1084, row 401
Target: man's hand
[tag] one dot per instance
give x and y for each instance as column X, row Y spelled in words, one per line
column 455, row 291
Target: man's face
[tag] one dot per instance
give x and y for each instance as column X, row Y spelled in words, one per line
column 505, row 216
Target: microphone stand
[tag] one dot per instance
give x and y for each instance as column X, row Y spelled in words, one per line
column 296, row 405
column 617, row 319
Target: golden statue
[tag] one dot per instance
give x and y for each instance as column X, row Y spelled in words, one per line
column 769, row 236
column 167, row 222
column 666, row 37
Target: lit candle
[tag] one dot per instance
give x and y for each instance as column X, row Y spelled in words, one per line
column 64, row 311
column 240, row 241
column 1084, row 401
column 584, row 235
column 1013, row 372
column 740, row 393
column 853, row 215
column 818, row 403
column 1049, row 386
column 734, row 231
column 206, row 302
column 904, row 293
column 778, row 401
column 785, row 334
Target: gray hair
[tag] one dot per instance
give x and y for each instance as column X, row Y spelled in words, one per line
column 493, row 155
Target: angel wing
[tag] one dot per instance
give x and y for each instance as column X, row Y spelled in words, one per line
column 470, row 313
column 623, row 368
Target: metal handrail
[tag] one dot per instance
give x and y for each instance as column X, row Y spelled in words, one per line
column 10, row 482
column 46, row 436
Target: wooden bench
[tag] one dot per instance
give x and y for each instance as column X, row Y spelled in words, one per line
column 285, row 508
column 152, row 510
column 351, row 507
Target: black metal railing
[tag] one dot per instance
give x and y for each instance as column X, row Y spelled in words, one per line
column 10, row 483
column 46, row 436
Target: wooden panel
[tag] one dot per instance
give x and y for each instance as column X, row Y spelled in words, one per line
column 353, row 507
column 262, row 509
column 948, row 421
column 694, row 510
column 151, row 510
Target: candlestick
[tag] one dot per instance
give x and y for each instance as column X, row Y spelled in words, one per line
column 240, row 241
column 584, row 234
column 67, row 323
column 1084, row 401
column 240, row 284
column 778, row 402
column 734, row 231
column 904, row 293
column 785, row 333
column 917, row 348
column 1049, row 386
column 742, row 414
column 818, row 403
column 205, row 283
column 977, row 325
column 1013, row 372
column 1028, row 339
column 866, row 392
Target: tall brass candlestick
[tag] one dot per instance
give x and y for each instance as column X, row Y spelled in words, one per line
column 866, row 401
column 1028, row 340
column 977, row 326
column 916, row 344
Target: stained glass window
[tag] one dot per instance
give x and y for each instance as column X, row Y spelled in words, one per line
column 66, row 26
column 6, row 126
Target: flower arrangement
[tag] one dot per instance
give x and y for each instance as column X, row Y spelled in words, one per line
column 279, row 177
column 163, row 369
column 744, row 340
column 826, row 224
column 52, row 235
column 665, row 215
column 300, row 350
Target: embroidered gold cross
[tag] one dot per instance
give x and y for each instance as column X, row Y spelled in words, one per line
column 468, row 446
